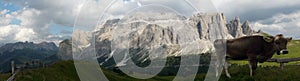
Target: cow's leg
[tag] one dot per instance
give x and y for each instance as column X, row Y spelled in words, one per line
column 217, row 69
column 217, row 65
column 226, row 64
column 252, row 65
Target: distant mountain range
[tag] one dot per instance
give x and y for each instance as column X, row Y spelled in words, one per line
column 1, row 44
column 26, row 52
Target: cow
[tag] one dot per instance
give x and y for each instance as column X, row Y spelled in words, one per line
column 255, row 49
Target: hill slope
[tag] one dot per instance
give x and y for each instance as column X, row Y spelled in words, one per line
column 65, row 71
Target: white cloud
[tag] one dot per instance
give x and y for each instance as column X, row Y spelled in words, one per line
column 274, row 17
column 13, row 33
column 5, row 18
column 3, row 11
column 36, row 17
column 32, row 18
column 59, row 11
column 288, row 24
column 256, row 9
column 25, row 34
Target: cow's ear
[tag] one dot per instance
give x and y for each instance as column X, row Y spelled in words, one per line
column 279, row 35
column 269, row 39
column 289, row 39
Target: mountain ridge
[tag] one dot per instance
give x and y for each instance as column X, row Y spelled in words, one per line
column 25, row 52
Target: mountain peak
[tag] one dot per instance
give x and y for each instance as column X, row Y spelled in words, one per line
column 65, row 50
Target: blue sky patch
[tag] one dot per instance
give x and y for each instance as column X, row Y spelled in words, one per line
column 15, row 22
column 9, row 6
column 56, row 29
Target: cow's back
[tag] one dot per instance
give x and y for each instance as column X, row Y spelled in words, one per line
column 240, row 47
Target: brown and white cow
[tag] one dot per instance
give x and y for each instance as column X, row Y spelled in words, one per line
column 255, row 49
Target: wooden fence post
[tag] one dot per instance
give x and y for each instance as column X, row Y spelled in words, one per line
column 281, row 65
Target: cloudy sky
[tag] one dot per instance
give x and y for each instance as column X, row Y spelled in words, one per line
column 53, row 20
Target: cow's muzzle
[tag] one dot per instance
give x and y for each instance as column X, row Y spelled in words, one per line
column 284, row 51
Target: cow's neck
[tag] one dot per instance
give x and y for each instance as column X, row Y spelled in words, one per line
column 270, row 50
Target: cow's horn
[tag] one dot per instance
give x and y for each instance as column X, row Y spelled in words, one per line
column 268, row 39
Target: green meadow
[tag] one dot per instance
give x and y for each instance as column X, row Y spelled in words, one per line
column 65, row 71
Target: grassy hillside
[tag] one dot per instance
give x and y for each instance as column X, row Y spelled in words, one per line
column 60, row 71
column 3, row 77
column 65, row 71
column 238, row 73
column 270, row 73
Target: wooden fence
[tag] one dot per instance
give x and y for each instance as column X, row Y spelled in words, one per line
column 282, row 61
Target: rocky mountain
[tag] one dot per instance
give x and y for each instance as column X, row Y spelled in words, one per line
column 24, row 52
column 65, row 50
column 206, row 23
column 236, row 29
column 1, row 44
column 247, row 29
column 173, row 34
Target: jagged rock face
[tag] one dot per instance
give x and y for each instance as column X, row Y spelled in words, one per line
column 65, row 50
column 148, row 32
column 237, row 30
column 246, row 28
column 209, row 24
column 234, row 28
column 48, row 45
column 143, row 33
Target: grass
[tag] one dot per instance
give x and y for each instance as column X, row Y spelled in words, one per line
column 61, row 71
column 269, row 73
column 4, row 77
column 65, row 71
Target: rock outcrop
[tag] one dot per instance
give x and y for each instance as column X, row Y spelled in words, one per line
column 65, row 50
column 236, row 29
column 247, row 29
column 209, row 24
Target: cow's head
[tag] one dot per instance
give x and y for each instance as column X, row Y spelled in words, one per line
column 281, row 43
